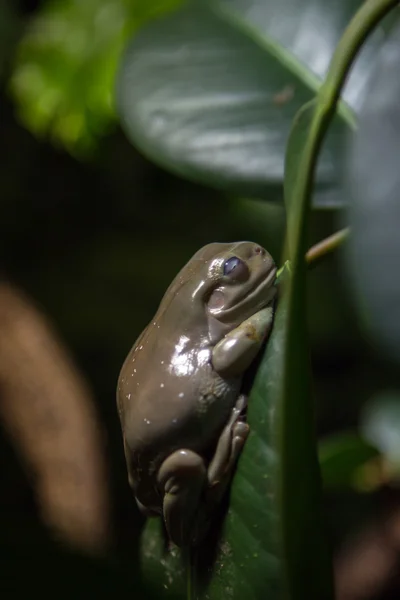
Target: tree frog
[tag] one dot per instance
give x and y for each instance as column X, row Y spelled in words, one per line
column 179, row 391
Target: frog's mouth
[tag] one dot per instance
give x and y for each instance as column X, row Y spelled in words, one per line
column 260, row 296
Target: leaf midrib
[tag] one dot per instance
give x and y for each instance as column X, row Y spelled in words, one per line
column 278, row 51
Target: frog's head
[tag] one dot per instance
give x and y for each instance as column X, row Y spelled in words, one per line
column 240, row 282
column 223, row 284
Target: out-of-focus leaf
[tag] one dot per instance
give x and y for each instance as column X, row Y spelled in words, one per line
column 63, row 81
column 380, row 425
column 374, row 211
column 340, row 455
column 210, row 91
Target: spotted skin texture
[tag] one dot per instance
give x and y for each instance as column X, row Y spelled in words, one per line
column 179, row 389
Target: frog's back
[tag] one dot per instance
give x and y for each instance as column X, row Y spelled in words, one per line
column 174, row 401
column 170, row 396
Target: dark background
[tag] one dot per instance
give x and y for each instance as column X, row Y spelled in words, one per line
column 94, row 244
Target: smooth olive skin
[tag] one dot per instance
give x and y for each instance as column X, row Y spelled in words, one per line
column 178, row 395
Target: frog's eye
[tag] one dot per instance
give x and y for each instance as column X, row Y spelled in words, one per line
column 235, row 268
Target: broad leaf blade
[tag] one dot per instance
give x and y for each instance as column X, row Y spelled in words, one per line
column 252, row 529
column 210, row 91
column 374, row 211
column 199, row 97
column 305, row 34
column 307, row 560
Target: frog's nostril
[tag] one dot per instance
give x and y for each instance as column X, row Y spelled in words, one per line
column 259, row 250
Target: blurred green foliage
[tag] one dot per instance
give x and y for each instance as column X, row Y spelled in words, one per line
column 63, row 79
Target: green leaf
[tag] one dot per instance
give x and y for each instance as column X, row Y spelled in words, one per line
column 341, row 455
column 210, row 91
column 300, row 477
column 374, row 211
column 63, row 79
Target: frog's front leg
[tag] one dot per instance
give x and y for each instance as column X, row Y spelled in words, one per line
column 233, row 355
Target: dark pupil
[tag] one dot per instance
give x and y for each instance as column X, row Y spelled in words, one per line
column 231, row 264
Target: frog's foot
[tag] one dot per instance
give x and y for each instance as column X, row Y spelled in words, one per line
column 220, row 470
column 191, row 492
column 230, row 444
column 182, row 477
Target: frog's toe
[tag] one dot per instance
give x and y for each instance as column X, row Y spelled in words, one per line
column 240, row 434
column 241, row 405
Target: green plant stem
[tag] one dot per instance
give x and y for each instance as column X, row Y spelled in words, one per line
column 362, row 24
column 317, row 252
column 300, row 164
column 326, row 246
column 367, row 17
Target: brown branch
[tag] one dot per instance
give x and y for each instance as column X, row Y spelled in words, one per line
column 48, row 412
column 318, row 251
